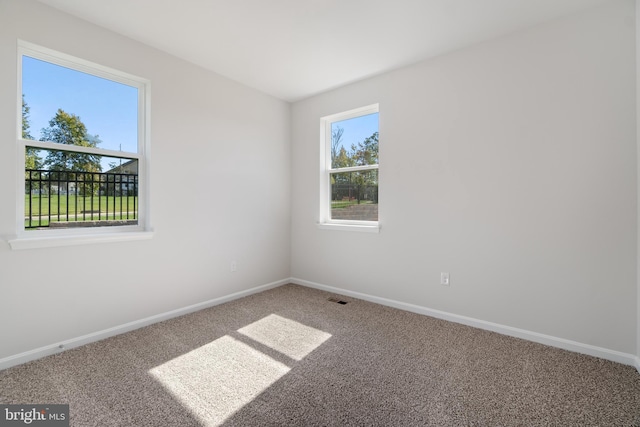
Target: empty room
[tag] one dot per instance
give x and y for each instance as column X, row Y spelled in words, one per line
column 319, row 213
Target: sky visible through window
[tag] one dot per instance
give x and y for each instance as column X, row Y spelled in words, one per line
column 108, row 109
column 356, row 130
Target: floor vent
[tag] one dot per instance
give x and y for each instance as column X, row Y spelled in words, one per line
column 339, row 301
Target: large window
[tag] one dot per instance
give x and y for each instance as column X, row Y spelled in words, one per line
column 82, row 146
column 349, row 181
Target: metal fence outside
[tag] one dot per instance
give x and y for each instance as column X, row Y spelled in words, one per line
column 77, row 198
column 349, row 192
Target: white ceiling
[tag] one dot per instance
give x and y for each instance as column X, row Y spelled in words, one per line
column 292, row 49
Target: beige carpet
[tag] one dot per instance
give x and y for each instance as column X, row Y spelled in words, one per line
column 290, row 357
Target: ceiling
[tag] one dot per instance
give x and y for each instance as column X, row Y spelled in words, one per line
column 293, row 49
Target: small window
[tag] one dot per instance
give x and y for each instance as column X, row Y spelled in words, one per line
column 84, row 143
column 349, row 183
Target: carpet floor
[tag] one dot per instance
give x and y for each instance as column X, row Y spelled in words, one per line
column 290, row 357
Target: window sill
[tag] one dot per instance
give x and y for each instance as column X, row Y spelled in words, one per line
column 375, row 228
column 22, row 243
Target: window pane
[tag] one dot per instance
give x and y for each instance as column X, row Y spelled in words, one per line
column 354, row 195
column 354, row 142
column 70, row 107
column 74, row 192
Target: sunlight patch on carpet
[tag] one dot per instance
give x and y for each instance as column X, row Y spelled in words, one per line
column 217, row 379
column 285, row 335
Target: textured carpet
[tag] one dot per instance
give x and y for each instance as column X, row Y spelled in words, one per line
column 288, row 356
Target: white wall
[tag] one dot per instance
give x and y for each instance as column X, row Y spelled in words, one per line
column 511, row 165
column 232, row 142
column 637, row 5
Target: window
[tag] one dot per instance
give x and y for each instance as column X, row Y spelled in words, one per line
column 349, row 165
column 82, row 148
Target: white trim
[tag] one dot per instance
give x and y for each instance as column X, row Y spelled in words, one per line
column 603, row 353
column 375, row 228
column 27, row 239
column 353, row 169
column 81, row 239
column 20, row 148
column 73, row 62
column 38, row 353
column 144, row 149
column 613, row 355
column 326, row 169
column 47, row 145
column 351, row 114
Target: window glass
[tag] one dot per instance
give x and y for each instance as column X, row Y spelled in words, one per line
column 354, row 142
column 107, row 109
column 350, row 183
column 354, row 195
column 83, row 149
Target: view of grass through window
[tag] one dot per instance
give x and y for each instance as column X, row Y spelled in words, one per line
column 354, row 173
column 83, row 170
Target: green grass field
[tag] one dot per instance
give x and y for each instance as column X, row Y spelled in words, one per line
column 341, row 204
column 45, row 221
column 78, row 208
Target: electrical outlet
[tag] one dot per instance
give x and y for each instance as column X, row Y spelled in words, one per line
column 444, row 279
column 234, row 266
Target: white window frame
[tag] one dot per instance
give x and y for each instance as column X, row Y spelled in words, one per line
column 27, row 239
column 325, row 221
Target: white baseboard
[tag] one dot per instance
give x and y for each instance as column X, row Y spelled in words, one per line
column 38, row 353
column 613, row 355
column 603, row 353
